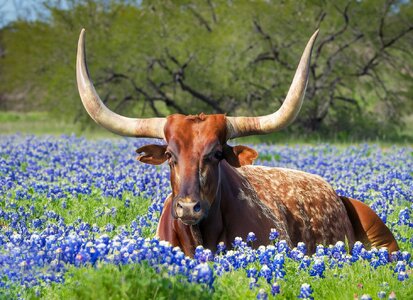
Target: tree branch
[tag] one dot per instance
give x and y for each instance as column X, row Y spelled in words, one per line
column 179, row 77
column 211, row 6
column 333, row 36
column 200, row 18
column 274, row 54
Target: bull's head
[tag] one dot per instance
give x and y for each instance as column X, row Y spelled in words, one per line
column 195, row 145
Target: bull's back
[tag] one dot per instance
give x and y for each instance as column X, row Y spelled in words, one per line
column 313, row 211
column 368, row 227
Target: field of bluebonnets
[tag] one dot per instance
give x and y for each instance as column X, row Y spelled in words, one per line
column 78, row 219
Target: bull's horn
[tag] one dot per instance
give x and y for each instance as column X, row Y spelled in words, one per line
column 243, row 126
column 151, row 127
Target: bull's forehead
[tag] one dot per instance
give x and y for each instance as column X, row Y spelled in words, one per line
column 195, row 132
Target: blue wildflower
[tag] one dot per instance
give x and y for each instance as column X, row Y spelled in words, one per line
column 262, row 295
column 318, row 268
column 381, row 294
column 306, row 292
column 266, row 273
column 275, row 289
column 251, row 237
column 273, row 234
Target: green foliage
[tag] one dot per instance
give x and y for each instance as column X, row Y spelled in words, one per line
column 344, row 283
column 122, row 282
column 142, row 282
column 160, row 57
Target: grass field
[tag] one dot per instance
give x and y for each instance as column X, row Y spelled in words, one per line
column 78, row 216
column 43, row 123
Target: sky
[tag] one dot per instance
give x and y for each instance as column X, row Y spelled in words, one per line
column 10, row 10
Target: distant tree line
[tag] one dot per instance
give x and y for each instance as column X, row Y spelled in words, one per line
column 217, row 56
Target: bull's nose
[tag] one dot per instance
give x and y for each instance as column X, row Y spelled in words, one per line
column 188, row 209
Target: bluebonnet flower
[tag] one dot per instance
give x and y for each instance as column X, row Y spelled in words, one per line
column 320, row 251
column 266, row 273
column 318, row 268
column 402, row 275
column 253, row 283
column 275, row 289
column 237, row 242
column 306, row 291
column 203, row 274
column 301, row 247
column 406, row 256
column 305, row 262
column 251, row 272
column 273, row 234
column 296, row 254
column 262, row 295
column 251, row 237
column 283, row 246
column 221, row 247
column 109, row 227
column 404, row 217
column 400, row 266
column 365, row 297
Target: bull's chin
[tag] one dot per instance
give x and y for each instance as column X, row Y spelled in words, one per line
column 190, row 221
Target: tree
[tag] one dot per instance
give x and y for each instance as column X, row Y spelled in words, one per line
column 160, row 57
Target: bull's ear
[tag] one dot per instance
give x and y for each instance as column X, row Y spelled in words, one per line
column 152, row 154
column 239, row 155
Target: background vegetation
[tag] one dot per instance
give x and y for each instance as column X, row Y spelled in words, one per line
column 238, row 57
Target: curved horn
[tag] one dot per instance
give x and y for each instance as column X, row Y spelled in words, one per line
column 151, row 127
column 243, row 126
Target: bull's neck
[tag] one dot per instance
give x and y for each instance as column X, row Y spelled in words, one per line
column 236, row 211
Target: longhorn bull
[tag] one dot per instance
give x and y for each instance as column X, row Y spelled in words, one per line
column 218, row 195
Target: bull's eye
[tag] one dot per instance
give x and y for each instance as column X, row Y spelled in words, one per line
column 171, row 158
column 168, row 155
column 219, row 155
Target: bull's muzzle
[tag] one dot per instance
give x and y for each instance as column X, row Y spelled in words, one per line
column 189, row 211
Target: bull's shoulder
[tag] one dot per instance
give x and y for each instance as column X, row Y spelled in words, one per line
column 307, row 203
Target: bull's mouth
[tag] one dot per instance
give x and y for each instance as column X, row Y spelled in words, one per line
column 190, row 221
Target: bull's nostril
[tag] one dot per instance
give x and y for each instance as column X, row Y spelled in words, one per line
column 197, row 207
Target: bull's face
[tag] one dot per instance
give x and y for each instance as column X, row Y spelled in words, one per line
column 196, row 145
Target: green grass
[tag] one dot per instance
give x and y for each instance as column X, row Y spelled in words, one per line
column 44, row 123
column 142, row 282
column 338, row 283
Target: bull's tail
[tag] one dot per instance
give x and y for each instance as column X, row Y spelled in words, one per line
column 368, row 227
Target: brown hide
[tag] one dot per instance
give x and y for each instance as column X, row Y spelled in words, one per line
column 312, row 211
column 257, row 199
column 236, row 198
column 235, row 212
column 368, row 227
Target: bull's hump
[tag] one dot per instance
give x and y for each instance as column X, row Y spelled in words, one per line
column 283, row 179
